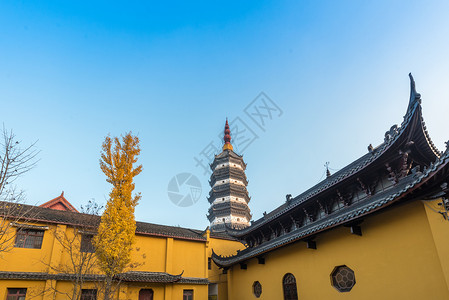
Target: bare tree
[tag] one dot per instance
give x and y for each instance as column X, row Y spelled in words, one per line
column 15, row 160
column 79, row 265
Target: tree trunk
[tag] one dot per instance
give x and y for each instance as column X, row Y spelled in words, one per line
column 107, row 288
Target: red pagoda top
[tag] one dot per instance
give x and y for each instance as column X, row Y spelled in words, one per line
column 227, row 137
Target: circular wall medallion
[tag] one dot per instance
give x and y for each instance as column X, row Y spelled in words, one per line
column 257, row 289
column 343, row 278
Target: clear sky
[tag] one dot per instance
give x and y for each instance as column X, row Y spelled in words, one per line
column 72, row 72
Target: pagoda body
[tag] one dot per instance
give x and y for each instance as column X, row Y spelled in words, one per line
column 228, row 195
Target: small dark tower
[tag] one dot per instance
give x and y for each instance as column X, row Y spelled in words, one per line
column 228, row 195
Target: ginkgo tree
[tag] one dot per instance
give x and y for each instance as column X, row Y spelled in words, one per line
column 116, row 232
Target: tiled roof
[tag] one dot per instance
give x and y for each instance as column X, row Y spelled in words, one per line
column 47, row 215
column 412, row 127
column 132, row 276
column 413, row 116
column 222, row 236
column 59, row 203
column 352, row 212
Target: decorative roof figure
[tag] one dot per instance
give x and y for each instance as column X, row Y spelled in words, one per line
column 228, row 195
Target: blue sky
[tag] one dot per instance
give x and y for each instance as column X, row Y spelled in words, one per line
column 171, row 72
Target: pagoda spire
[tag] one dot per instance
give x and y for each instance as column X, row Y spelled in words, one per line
column 227, row 137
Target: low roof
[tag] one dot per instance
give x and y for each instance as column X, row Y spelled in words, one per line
column 23, row 212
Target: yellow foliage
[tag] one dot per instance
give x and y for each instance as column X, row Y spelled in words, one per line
column 117, row 229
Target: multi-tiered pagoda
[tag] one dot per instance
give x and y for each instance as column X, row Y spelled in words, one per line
column 228, row 196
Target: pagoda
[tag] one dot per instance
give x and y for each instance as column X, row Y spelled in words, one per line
column 228, row 195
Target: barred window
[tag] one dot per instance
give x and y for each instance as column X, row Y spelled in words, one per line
column 289, row 286
column 29, row 238
column 86, row 243
column 88, row 294
column 16, row 294
column 187, row 295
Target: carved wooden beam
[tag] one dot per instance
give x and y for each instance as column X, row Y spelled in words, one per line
column 309, row 215
column 345, row 200
column 391, row 174
column 323, row 207
column 404, row 164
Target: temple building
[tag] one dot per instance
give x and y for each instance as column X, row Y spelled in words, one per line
column 376, row 229
column 228, row 195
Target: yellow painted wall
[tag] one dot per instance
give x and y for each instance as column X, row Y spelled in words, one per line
column 31, row 286
column 396, row 258
column 223, row 247
column 151, row 253
column 189, row 256
column 439, row 227
column 33, row 260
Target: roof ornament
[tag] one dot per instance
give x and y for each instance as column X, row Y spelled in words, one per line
column 414, row 96
column 227, row 137
column 370, row 148
column 328, row 173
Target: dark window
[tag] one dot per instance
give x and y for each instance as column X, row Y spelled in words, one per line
column 343, row 278
column 88, row 294
column 146, row 294
column 209, row 263
column 257, row 289
column 29, row 238
column 86, row 243
column 187, row 295
column 16, row 294
column 289, row 286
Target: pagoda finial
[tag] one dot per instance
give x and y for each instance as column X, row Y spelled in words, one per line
column 414, row 96
column 227, row 137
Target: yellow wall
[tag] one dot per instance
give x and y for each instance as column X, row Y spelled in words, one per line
column 216, row 276
column 151, row 253
column 396, row 258
column 439, row 227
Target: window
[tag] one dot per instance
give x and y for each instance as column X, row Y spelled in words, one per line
column 343, row 278
column 29, row 238
column 257, row 289
column 289, row 286
column 88, row 294
column 16, row 294
column 146, row 294
column 187, row 295
column 86, row 243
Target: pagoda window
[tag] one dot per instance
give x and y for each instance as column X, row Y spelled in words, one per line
column 289, row 287
column 29, row 238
